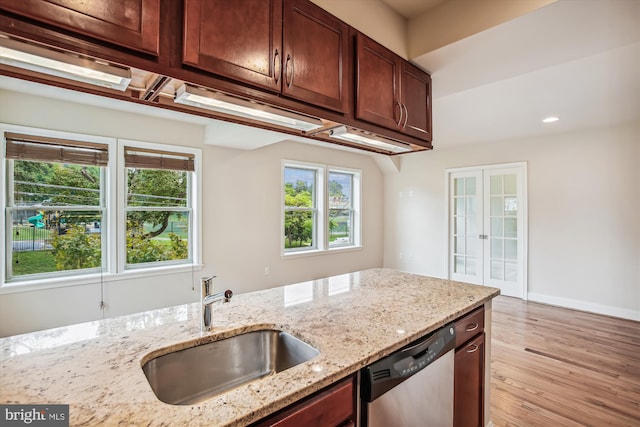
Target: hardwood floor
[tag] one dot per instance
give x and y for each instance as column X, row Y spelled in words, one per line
column 557, row 367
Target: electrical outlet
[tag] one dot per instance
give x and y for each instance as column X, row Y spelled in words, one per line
column 267, row 271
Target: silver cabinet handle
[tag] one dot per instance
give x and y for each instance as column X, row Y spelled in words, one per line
column 277, row 66
column 406, row 116
column 472, row 348
column 471, row 327
column 289, row 80
column 400, row 118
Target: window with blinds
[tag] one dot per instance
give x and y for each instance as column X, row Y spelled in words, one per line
column 56, row 205
column 71, row 201
column 158, row 206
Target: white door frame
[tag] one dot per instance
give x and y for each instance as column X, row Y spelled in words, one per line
column 525, row 215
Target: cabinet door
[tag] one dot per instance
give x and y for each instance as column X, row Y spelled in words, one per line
column 332, row 407
column 239, row 39
column 134, row 24
column 469, row 384
column 377, row 91
column 315, row 58
column 416, row 101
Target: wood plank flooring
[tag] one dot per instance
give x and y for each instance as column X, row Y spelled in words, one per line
column 558, row 367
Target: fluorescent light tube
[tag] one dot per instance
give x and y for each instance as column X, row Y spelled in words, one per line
column 364, row 138
column 55, row 63
column 227, row 104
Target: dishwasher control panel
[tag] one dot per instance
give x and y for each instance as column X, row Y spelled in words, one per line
column 390, row 371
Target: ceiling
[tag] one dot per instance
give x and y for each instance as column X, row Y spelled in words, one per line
column 576, row 59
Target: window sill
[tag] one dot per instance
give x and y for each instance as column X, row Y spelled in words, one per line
column 320, row 252
column 93, row 278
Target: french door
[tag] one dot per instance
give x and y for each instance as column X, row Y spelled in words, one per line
column 487, row 227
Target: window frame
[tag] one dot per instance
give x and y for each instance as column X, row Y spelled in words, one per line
column 193, row 198
column 356, row 223
column 322, row 207
column 113, row 220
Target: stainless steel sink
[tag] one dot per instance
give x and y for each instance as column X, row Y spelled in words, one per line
column 195, row 374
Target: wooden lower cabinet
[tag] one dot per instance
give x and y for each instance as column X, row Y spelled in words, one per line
column 334, row 406
column 469, row 383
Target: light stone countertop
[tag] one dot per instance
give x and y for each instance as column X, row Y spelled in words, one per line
column 352, row 319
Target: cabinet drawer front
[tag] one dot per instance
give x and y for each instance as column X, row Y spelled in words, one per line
column 134, row 24
column 333, row 407
column 469, row 326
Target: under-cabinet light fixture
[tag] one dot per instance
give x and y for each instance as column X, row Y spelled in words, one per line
column 56, row 63
column 228, row 104
column 367, row 139
column 550, row 119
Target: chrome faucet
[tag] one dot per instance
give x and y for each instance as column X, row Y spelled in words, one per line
column 207, row 299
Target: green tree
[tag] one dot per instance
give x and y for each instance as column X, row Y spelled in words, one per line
column 298, row 225
column 154, row 187
column 76, row 249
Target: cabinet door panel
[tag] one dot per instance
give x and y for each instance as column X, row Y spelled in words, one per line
column 377, row 84
column 469, row 384
column 416, row 98
column 315, row 56
column 133, row 24
column 239, row 39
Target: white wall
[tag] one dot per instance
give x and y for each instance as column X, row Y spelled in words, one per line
column 584, row 200
column 241, row 218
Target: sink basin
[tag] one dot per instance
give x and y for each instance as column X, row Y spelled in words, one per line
column 195, row 374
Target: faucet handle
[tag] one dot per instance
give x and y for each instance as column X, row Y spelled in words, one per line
column 206, row 283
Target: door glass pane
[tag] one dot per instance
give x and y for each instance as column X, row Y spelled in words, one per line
column 496, row 227
column 510, row 227
column 496, row 248
column 471, row 266
column 471, row 186
column 510, row 186
column 459, row 205
column 459, row 249
column 472, row 229
column 495, row 184
column 459, row 186
column 497, row 270
column 511, row 271
column 497, row 208
column 471, row 206
column 510, row 249
column 459, row 264
column 459, row 225
column 471, row 246
column 510, row 206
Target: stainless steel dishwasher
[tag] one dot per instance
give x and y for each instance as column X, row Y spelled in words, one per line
column 412, row 387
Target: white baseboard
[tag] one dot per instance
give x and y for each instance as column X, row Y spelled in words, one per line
column 585, row 306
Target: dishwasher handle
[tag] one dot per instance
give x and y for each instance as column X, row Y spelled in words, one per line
column 418, row 349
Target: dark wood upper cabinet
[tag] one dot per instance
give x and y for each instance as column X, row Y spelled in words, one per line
column 239, row 39
column 295, row 48
column 316, row 54
column 377, row 81
column 415, row 87
column 391, row 92
column 133, row 24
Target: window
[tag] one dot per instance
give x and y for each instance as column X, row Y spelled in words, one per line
column 64, row 216
column 158, row 205
column 341, row 212
column 55, row 205
column 301, row 207
column 319, row 214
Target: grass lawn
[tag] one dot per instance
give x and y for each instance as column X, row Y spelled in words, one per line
column 32, row 262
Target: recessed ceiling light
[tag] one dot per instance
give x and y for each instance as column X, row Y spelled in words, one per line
column 550, row 119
